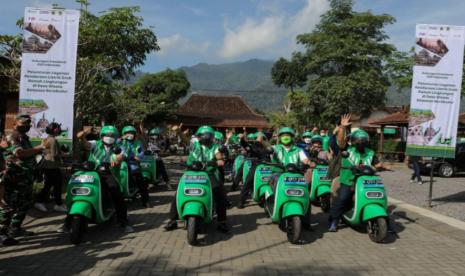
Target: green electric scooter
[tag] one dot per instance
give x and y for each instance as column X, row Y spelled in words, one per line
column 320, row 191
column 369, row 204
column 86, row 201
column 148, row 166
column 194, row 198
column 289, row 202
column 261, row 186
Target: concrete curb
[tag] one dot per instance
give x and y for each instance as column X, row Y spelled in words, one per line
column 427, row 213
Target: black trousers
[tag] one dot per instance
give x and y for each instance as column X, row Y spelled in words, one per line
column 237, row 177
column 218, row 197
column 342, row 203
column 161, row 170
column 52, row 178
column 109, row 182
column 139, row 180
column 248, row 185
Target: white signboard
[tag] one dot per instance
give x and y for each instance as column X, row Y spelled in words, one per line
column 48, row 69
column 436, row 86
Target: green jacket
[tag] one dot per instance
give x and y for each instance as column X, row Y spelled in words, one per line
column 205, row 154
column 355, row 158
column 131, row 149
column 281, row 155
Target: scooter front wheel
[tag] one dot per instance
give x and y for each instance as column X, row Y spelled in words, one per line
column 377, row 229
column 78, row 225
column 325, row 202
column 294, row 229
column 192, row 230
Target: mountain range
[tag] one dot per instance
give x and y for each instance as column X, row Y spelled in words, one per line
column 251, row 79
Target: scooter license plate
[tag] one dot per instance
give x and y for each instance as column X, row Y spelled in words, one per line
column 372, row 183
column 195, row 179
column 294, row 181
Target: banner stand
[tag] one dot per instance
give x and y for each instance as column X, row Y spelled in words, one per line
column 431, row 181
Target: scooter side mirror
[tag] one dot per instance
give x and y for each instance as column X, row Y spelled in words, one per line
column 345, row 154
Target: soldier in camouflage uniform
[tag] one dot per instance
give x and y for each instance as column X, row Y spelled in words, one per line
column 18, row 194
column 5, row 210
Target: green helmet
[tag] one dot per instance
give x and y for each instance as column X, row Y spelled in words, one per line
column 317, row 138
column 219, row 136
column 251, row 136
column 307, row 134
column 286, row 130
column 109, row 130
column 127, row 129
column 205, row 129
column 259, row 133
column 359, row 135
column 155, row 131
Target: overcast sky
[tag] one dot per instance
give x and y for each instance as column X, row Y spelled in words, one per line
column 219, row 31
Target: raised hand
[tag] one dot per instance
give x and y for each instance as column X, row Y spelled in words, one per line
column 345, row 120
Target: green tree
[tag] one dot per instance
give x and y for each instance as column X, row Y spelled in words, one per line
column 290, row 74
column 345, row 57
column 153, row 97
column 111, row 46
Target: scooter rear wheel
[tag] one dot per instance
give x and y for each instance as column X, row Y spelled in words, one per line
column 77, row 229
column 192, row 230
column 294, row 229
column 377, row 229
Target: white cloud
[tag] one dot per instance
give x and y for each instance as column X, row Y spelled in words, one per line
column 250, row 36
column 272, row 32
column 179, row 44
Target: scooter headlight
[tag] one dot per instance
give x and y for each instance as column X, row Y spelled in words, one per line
column 80, row 191
column 193, row 191
column 374, row 194
column 83, row 178
column 294, row 192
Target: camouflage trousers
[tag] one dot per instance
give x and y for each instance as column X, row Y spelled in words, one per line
column 19, row 199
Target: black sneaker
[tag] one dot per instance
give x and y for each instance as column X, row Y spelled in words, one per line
column 171, row 225
column 19, row 232
column 8, row 241
column 241, row 205
column 223, row 228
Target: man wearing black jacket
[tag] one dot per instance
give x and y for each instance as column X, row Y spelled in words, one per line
column 255, row 149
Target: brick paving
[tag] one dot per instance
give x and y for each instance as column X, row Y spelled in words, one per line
column 255, row 247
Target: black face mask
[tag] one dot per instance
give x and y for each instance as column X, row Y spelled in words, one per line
column 23, row 129
column 360, row 147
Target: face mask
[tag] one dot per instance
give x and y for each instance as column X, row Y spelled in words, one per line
column 108, row 140
column 23, row 129
column 286, row 140
column 360, row 147
column 130, row 137
column 307, row 140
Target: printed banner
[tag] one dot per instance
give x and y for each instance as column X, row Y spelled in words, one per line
column 48, row 69
column 436, row 86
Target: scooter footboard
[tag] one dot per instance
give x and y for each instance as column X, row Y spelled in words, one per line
column 292, row 209
column 193, row 208
column 82, row 208
column 373, row 211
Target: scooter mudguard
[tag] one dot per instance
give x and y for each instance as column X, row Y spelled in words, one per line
column 193, row 208
column 323, row 189
column 372, row 211
column 82, row 208
column 292, row 209
column 265, row 192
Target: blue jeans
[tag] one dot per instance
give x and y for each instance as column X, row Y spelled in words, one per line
column 416, row 168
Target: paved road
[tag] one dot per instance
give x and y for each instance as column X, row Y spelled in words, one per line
column 255, row 247
column 448, row 193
